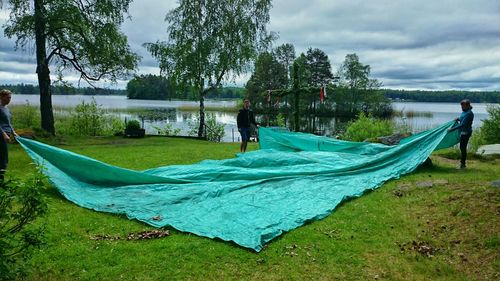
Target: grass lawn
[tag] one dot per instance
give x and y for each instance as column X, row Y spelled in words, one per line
column 404, row 230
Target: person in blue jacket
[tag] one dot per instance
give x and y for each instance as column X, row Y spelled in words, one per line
column 464, row 124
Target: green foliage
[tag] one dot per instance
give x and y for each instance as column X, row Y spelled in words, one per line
column 357, row 92
column 285, row 54
column 21, row 204
column 491, row 125
column 167, row 130
column 443, row 96
column 28, row 89
column 214, row 38
column 87, row 119
column 92, row 44
column 227, row 93
column 476, row 140
column 25, row 116
column 355, row 75
column 210, row 41
column 366, row 127
column 489, row 133
column 318, row 65
column 214, row 130
column 133, row 125
column 149, row 87
column 280, row 121
column 269, row 74
column 82, row 36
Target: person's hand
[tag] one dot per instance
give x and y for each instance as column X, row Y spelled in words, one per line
column 6, row 136
column 449, row 130
column 457, row 119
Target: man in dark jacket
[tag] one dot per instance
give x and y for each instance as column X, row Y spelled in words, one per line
column 244, row 120
column 464, row 124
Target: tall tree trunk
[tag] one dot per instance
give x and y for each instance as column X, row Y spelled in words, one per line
column 201, row 129
column 295, row 91
column 42, row 69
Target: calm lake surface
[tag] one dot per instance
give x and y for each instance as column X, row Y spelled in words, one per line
column 441, row 112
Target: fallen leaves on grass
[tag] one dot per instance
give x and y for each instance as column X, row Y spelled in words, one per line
column 143, row 235
column 420, row 247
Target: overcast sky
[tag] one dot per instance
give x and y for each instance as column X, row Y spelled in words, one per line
column 409, row 44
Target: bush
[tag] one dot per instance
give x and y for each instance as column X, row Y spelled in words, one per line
column 167, row 130
column 21, row 203
column 133, row 125
column 25, row 116
column 114, row 125
column 87, row 119
column 214, row 131
column 490, row 131
column 366, row 127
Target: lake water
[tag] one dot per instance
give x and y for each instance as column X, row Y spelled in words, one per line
column 441, row 112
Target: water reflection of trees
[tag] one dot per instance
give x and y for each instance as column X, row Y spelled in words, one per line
column 159, row 114
column 310, row 123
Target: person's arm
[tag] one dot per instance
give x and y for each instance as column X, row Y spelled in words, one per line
column 238, row 121
column 455, row 126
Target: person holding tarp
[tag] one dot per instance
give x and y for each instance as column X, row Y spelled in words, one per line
column 464, row 124
column 244, row 120
column 6, row 130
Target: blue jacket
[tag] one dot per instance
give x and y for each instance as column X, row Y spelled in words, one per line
column 464, row 123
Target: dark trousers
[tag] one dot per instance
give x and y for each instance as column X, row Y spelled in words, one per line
column 464, row 140
column 4, row 157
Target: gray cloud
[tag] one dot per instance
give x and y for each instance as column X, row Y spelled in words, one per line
column 426, row 44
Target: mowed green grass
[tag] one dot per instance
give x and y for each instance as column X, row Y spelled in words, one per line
column 400, row 231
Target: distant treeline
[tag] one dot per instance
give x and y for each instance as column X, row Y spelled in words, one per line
column 153, row 87
column 28, row 89
column 442, row 96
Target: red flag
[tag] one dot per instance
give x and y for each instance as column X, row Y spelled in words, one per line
column 321, row 94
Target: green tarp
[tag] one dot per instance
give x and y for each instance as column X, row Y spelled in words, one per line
column 249, row 199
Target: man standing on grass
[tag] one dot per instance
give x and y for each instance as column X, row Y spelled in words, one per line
column 244, row 120
column 464, row 124
column 6, row 130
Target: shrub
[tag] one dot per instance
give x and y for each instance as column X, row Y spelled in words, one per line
column 366, row 127
column 87, row 119
column 25, row 116
column 214, row 130
column 133, row 125
column 114, row 125
column 490, row 130
column 21, row 203
column 167, row 130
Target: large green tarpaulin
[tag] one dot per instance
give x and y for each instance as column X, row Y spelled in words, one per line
column 249, row 199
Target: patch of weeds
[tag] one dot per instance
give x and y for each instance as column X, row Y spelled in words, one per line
column 493, row 242
column 422, row 247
